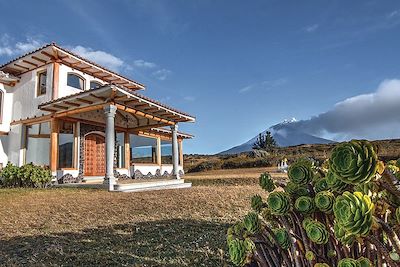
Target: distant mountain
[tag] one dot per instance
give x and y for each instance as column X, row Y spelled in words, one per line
column 285, row 134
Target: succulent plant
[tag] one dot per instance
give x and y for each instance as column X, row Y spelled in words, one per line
column 321, row 185
column 279, row 203
column 317, row 232
column 310, row 256
column 342, row 236
column 306, row 221
column 282, row 238
column 252, row 223
column 324, row 201
column 296, row 190
column 257, row 203
column 239, row 251
column 364, row 262
column 354, row 162
column 305, row 204
column 335, row 184
column 353, row 213
column 236, row 230
column 300, row 172
column 319, row 264
column 348, row 262
column 266, row 182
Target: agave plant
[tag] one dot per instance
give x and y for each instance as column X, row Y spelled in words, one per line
column 354, row 162
column 279, row 203
column 301, row 172
column 353, row 213
column 345, row 213
column 305, row 204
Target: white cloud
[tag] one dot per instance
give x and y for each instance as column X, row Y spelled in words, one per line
column 100, row 57
column 311, row 28
column 265, row 85
column 144, row 64
column 9, row 48
column 371, row 116
column 393, row 14
column 162, row 74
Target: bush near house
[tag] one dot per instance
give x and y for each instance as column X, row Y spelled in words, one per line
column 345, row 212
column 28, row 175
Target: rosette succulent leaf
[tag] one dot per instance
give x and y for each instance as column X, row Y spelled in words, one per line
column 317, row 232
column 364, row 262
column 354, row 162
column 282, row 237
column 324, row 201
column 257, row 203
column 305, row 204
column 342, row 236
column 319, row 264
column 266, row 182
column 353, row 213
column 348, row 262
column 239, row 251
column 334, row 183
column 300, row 172
column 321, row 185
column 296, row 190
column 252, row 223
column 279, row 203
column 306, row 221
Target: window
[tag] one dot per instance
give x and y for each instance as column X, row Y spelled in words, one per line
column 94, row 85
column 120, row 145
column 143, row 149
column 75, row 81
column 41, row 83
column 66, row 145
column 166, row 152
column 38, row 144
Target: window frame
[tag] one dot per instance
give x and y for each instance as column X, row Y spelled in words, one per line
column 80, row 77
column 2, row 93
column 96, row 82
column 38, row 91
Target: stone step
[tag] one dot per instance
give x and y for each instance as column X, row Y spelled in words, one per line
column 93, row 179
column 149, row 186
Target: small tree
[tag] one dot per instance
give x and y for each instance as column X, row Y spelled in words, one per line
column 266, row 141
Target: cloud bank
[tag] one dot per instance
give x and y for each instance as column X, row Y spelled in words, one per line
column 103, row 58
column 372, row 116
column 10, row 48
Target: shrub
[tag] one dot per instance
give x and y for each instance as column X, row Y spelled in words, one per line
column 206, row 166
column 28, row 175
column 344, row 214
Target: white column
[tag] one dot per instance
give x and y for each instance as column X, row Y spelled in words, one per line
column 175, row 154
column 109, row 112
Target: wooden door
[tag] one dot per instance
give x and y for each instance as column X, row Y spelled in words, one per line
column 95, row 155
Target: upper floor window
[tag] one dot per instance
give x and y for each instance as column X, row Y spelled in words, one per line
column 41, row 83
column 75, row 81
column 94, row 85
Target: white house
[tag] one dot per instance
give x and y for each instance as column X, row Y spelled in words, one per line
column 83, row 120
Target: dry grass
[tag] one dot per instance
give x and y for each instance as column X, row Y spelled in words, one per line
column 88, row 227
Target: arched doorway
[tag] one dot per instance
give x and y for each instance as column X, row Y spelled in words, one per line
column 95, row 155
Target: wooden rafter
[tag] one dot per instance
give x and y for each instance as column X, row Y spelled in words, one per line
column 39, row 59
column 84, row 101
column 140, row 113
column 98, row 97
column 30, row 63
column 72, row 104
column 60, row 107
column 22, row 67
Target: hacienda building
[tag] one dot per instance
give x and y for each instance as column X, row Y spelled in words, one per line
column 85, row 121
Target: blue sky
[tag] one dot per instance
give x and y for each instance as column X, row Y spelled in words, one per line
column 238, row 66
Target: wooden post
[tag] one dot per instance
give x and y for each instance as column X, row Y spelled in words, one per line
column 127, row 151
column 180, row 152
column 56, row 74
column 54, row 145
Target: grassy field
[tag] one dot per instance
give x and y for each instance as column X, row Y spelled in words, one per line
column 87, row 227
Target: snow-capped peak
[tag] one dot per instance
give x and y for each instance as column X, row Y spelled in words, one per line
column 289, row 120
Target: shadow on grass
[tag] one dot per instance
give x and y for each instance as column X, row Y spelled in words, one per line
column 223, row 181
column 159, row 243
